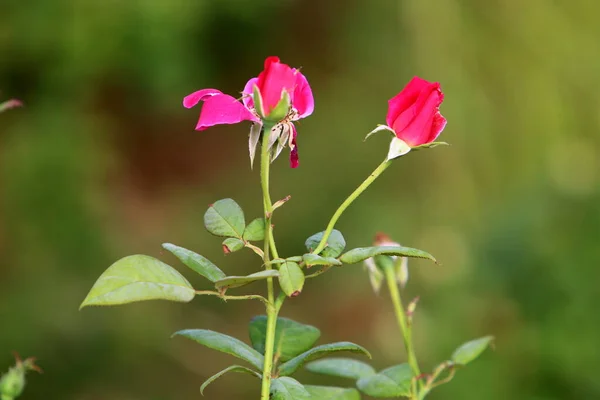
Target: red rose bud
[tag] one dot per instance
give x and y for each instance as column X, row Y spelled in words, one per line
column 414, row 113
column 414, row 117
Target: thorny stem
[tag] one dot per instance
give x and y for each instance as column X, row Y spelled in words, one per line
column 269, row 244
column 405, row 327
column 226, row 297
column 338, row 213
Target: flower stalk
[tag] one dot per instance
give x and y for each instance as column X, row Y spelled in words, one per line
column 269, row 245
column 353, row 196
column 403, row 324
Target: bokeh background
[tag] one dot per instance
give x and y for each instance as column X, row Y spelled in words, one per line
column 103, row 162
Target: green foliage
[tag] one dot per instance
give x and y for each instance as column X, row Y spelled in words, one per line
column 232, row 368
column 390, row 382
column 292, row 365
column 238, row 281
column 471, row 350
column 231, row 245
column 312, row 259
column 362, row 253
column 224, row 343
column 286, row 388
column 291, row 338
column 138, row 278
column 196, row 262
column 342, row 367
column 255, row 231
column 291, row 278
column 225, row 218
column 331, row 393
column 335, row 243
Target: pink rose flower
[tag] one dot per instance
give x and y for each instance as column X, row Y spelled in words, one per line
column 277, row 85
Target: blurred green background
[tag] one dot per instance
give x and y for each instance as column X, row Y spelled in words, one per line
column 103, row 162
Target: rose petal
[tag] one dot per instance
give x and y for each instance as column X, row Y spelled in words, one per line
column 418, row 131
column 303, row 100
column 275, row 78
column 439, row 123
column 191, row 100
column 222, row 109
column 247, row 93
column 408, row 96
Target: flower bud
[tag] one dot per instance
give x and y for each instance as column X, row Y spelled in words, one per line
column 13, row 382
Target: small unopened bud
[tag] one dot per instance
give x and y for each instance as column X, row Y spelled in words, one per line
column 402, row 271
column 410, row 310
column 375, row 275
column 13, row 382
column 412, row 306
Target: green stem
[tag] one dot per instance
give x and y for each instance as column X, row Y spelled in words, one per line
column 405, row 327
column 338, row 213
column 226, row 297
column 269, row 244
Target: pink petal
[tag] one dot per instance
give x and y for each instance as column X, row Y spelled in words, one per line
column 191, row 100
column 275, row 78
column 439, row 123
column 419, row 129
column 248, row 92
column 407, row 97
column 222, row 109
column 302, row 99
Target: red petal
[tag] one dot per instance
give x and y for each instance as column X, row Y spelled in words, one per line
column 418, row 131
column 439, row 123
column 403, row 100
column 275, row 78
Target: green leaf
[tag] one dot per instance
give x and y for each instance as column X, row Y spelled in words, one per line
column 225, row 218
column 231, row 245
column 255, row 230
column 291, row 338
column 335, row 243
column 237, row 281
column 291, row 278
column 138, row 278
column 286, row 388
column 232, row 368
column 313, row 259
column 471, row 350
column 196, row 262
column 331, row 393
column 395, row 381
column 362, row 253
column 342, row 367
column 292, row 365
column 224, row 343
